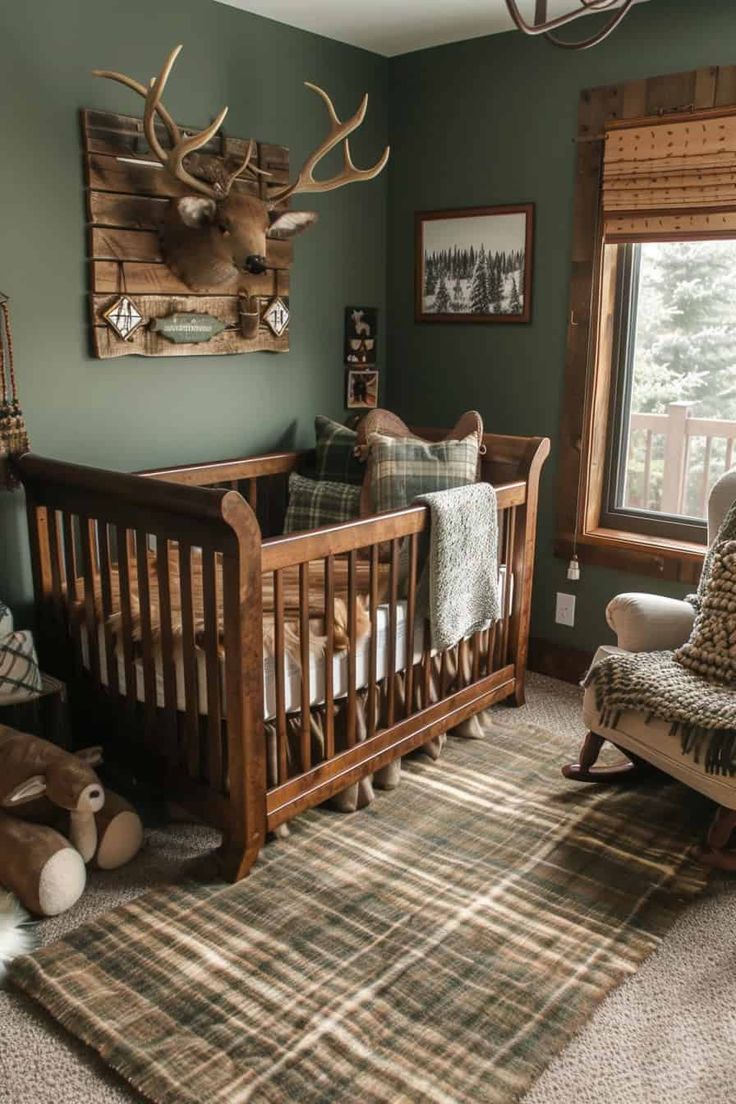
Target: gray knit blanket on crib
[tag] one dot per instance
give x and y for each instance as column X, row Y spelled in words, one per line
column 458, row 563
column 694, row 687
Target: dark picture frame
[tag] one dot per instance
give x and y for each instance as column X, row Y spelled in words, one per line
column 361, row 330
column 361, row 388
column 452, row 264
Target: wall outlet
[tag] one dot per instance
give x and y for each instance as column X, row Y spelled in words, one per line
column 565, row 611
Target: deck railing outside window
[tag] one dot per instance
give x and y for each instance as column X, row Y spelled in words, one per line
column 673, row 459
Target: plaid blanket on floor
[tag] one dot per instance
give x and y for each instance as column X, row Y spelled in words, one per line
column 440, row 946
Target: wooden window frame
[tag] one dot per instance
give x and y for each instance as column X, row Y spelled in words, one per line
column 588, row 402
column 611, row 515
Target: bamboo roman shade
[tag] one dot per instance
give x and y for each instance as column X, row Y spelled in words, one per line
column 670, row 178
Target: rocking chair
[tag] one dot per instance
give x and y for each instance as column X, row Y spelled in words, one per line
column 649, row 623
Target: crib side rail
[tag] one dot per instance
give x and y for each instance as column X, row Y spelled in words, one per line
column 135, row 581
column 262, row 480
column 365, row 706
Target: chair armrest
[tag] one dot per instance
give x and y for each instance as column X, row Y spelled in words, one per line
column 649, row 622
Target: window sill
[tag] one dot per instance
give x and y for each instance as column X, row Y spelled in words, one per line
column 676, row 561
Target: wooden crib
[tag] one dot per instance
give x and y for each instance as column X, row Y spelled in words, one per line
column 228, row 764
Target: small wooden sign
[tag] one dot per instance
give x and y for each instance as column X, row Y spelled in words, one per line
column 188, row 328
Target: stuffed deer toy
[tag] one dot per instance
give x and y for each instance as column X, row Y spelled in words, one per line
column 44, row 792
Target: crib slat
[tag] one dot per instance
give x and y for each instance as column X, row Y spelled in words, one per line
column 70, row 578
column 329, row 656
column 253, row 494
column 352, row 651
column 410, row 614
column 304, row 655
column 89, row 558
column 475, row 645
column 168, row 666
column 56, row 556
column 144, row 601
column 279, row 656
column 444, row 674
column 212, row 667
column 111, row 659
column 373, row 653
column 427, row 666
column 491, row 649
column 509, row 561
column 126, row 617
column 392, row 617
column 189, row 656
column 463, row 663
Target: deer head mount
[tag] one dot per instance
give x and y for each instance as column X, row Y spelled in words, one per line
column 213, row 233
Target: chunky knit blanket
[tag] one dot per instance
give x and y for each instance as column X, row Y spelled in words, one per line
column 693, row 688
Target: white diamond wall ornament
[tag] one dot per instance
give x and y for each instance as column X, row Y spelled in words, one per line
column 276, row 316
column 123, row 317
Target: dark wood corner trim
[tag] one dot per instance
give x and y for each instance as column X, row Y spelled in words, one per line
column 567, row 664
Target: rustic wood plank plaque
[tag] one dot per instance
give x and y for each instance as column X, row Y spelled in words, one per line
column 126, row 195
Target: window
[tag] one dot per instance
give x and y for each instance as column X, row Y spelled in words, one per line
column 649, row 403
column 673, row 424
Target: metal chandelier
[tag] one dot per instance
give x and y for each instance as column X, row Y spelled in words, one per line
column 542, row 25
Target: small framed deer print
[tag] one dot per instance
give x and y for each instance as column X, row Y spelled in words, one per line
column 474, row 265
column 361, row 326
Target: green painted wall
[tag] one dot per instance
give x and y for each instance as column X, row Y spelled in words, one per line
column 481, row 122
column 492, row 121
column 136, row 412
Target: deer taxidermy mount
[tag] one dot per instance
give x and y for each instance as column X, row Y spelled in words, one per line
column 212, row 233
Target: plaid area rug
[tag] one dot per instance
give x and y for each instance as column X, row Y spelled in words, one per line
column 441, row 945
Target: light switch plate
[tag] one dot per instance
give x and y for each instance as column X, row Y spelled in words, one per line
column 565, row 611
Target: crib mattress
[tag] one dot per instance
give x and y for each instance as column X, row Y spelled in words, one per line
column 292, row 668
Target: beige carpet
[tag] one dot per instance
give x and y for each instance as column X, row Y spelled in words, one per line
column 664, row 1035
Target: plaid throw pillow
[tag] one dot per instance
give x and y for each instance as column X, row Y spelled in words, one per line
column 335, row 446
column 20, row 676
column 313, row 503
column 6, row 619
column 400, row 468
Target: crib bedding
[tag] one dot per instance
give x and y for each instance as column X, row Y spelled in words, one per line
column 291, row 596
column 292, row 667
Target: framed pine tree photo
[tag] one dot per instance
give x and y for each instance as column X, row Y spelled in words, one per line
column 475, row 264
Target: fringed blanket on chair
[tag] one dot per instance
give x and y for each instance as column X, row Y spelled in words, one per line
column 693, row 688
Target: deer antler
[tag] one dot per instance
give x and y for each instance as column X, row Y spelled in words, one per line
column 339, row 132
column 173, row 159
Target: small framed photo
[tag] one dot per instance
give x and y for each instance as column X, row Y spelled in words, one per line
column 474, row 265
column 362, row 390
column 361, row 326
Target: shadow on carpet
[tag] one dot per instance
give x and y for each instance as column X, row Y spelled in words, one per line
column 441, row 945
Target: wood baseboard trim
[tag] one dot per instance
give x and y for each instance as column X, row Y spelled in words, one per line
column 559, row 661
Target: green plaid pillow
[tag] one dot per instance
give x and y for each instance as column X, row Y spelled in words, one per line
column 403, row 467
column 315, row 502
column 335, row 452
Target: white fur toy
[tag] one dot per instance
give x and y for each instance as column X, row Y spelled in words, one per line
column 17, row 932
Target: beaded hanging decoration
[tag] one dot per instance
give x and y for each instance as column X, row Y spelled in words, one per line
column 13, row 433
